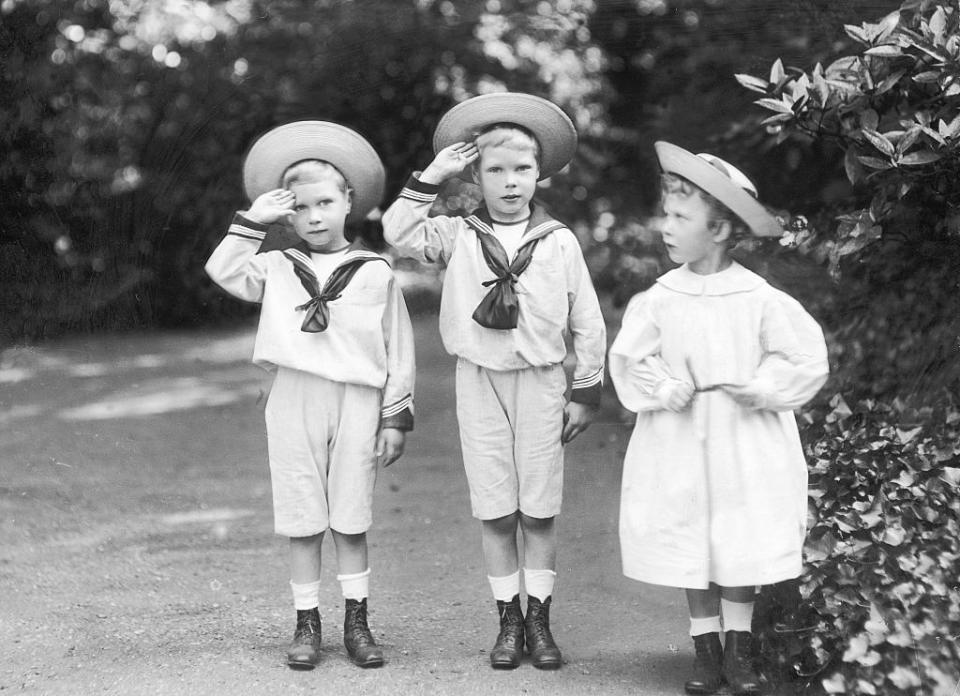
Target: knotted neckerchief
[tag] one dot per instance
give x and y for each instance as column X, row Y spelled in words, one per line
column 317, row 313
column 500, row 308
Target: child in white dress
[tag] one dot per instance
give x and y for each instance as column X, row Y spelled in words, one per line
column 713, row 360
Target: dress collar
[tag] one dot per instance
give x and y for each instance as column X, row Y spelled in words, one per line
column 733, row 279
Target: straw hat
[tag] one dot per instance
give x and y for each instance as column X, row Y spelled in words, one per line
column 553, row 129
column 724, row 182
column 342, row 147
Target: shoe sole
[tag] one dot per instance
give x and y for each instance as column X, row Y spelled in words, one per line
column 294, row 664
column 548, row 665
column 504, row 665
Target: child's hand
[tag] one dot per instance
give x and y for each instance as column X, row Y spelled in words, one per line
column 576, row 418
column 271, row 206
column 748, row 395
column 675, row 395
column 390, row 443
column 449, row 162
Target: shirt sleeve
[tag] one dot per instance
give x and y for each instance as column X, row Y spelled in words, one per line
column 794, row 365
column 636, row 368
column 235, row 265
column 397, row 409
column 408, row 227
column 587, row 327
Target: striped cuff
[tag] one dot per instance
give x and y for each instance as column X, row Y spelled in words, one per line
column 242, row 227
column 398, row 415
column 588, row 389
column 416, row 190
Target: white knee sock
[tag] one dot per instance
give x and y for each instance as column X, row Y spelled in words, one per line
column 355, row 586
column 539, row 583
column 708, row 624
column 305, row 595
column 737, row 616
column 505, row 587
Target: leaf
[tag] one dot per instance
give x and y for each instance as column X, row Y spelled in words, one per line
column 875, row 163
column 908, row 434
column 753, row 83
column 869, row 119
column 777, row 72
column 884, row 51
column 951, row 475
column 889, row 82
column 775, row 105
column 888, row 24
column 835, row 684
column 919, row 158
column 851, row 165
column 938, row 26
column 856, row 33
column 904, row 678
column 894, row 535
column 879, row 141
column 777, row 118
column 927, row 77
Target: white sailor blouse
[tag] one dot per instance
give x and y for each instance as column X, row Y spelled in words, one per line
column 499, row 313
column 350, row 327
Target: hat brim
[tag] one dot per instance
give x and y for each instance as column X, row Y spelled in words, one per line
column 698, row 171
column 553, row 129
column 342, row 147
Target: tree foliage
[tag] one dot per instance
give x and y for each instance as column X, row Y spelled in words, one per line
column 128, row 122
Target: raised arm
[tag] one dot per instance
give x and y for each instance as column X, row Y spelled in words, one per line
column 407, row 225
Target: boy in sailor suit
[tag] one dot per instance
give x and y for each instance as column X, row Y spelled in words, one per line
column 515, row 285
column 334, row 327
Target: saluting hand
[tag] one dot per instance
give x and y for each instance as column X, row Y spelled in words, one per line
column 271, row 206
column 449, row 162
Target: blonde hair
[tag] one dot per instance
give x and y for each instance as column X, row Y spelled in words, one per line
column 508, row 135
column 674, row 184
column 312, row 171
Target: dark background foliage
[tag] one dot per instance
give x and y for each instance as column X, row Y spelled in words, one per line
column 123, row 127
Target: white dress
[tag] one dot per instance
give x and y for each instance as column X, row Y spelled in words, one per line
column 718, row 492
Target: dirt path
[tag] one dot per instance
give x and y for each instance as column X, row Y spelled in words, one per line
column 138, row 557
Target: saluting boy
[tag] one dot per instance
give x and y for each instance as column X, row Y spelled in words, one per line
column 334, row 327
column 516, row 283
column 714, row 360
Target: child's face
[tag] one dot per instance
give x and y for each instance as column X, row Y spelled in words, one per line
column 320, row 214
column 688, row 233
column 508, row 179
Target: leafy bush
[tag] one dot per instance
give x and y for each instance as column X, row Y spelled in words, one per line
column 881, row 606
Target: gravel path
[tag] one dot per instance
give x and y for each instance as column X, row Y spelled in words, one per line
column 138, row 554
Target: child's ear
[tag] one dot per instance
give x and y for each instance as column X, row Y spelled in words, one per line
column 722, row 229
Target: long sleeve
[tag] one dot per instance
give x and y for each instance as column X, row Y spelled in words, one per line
column 408, row 227
column 636, row 368
column 235, row 266
column 587, row 328
column 794, row 365
column 397, row 409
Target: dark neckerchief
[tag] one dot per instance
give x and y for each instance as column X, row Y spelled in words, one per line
column 317, row 317
column 500, row 308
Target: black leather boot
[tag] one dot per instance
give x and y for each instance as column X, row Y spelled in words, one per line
column 707, row 665
column 543, row 650
column 357, row 639
column 738, row 663
column 304, row 651
column 508, row 650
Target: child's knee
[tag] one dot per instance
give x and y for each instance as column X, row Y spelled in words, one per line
column 536, row 524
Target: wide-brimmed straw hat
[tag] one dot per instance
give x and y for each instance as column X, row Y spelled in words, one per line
column 724, row 182
column 553, row 129
column 342, row 147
